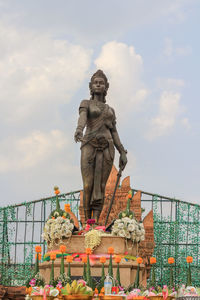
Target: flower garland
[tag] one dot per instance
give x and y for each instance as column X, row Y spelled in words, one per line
column 92, row 239
column 129, row 228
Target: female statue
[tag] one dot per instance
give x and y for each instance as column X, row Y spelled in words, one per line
column 97, row 145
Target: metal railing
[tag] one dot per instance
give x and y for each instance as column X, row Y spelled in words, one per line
column 176, row 233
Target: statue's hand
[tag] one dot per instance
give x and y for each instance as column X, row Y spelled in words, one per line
column 78, row 136
column 122, row 160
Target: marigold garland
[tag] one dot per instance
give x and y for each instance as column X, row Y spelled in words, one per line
column 53, row 256
column 67, row 207
column 102, row 259
column 38, row 249
column 152, row 260
column 84, row 259
column 88, row 251
column 189, row 259
column 139, row 260
column 171, row 260
column 117, row 259
column 63, row 248
column 69, row 258
column 110, row 250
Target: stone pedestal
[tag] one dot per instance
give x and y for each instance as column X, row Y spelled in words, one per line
column 127, row 271
column 76, row 245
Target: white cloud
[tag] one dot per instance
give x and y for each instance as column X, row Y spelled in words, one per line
column 37, row 72
column 170, row 50
column 30, row 151
column 186, row 123
column 169, row 109
column 124, row 68
column 170, row 83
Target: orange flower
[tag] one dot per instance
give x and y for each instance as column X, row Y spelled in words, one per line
column 96, row 291
column 38, row 249
column 67, row 207
column 110, row 250
column 102, row 259
column 39, row 256
column 56, row 190
column 84, row 259
column 139, row 260
column 63, row 248
column 130, row 195
column 69, row 258
column 53, row 256
column 118, row 259
column 103, row 290
column 152, row 260
column 63, row 217
column 189, row 259
column 53, row 218
column 28, row 290
column 171, row 260
column 88, row 251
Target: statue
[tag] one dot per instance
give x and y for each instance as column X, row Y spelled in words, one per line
column 97, row 145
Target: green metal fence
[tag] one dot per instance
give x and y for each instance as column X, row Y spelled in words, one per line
column 176, row 233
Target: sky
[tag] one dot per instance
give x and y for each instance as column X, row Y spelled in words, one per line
column 149, row 51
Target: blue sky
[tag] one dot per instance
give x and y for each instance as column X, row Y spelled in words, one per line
column 149, row 51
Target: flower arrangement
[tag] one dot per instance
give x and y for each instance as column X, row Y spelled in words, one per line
column 59, row 225
column 129, row 229
column 57, row 229
column 127, row 226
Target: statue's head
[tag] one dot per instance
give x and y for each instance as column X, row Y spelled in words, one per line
column 100, row 77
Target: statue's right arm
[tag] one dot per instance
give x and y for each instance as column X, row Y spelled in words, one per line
column 78, row 136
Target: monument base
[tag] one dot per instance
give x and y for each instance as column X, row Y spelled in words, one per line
column 127, row 271
column 76, row 245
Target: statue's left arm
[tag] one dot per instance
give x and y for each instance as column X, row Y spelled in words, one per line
column 120, row 148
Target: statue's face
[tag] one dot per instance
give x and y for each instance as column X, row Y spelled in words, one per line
column 98, row 85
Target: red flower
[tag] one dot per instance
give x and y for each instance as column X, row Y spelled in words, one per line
column 91, row 221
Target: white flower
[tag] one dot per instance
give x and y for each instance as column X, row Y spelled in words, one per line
column 131, row 227
column 126, row 220
column 115, row 230
column 133, row 236
column 122, row 233
column 128, row 235
column 68, row 233
column 121, row 225
column 71, row 226
column 50, row 221
column 59, row 220
column 118, row 221
column 137, row 239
